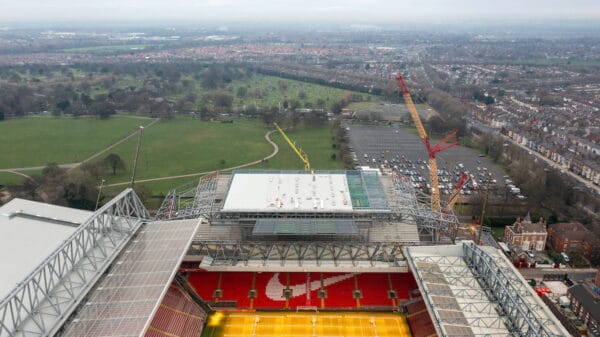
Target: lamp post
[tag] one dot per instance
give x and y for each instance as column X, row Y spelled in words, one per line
column 99, row 192
column 137, row 154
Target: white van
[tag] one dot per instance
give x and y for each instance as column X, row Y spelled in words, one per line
column 565, row 257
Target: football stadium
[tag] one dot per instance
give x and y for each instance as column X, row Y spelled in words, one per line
column 260, row 253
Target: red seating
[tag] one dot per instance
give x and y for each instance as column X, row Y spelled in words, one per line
column 270, row 286
column 403, row 283
column 415, row 307
column 205, row 283
column 421, row 325
column 375, row 288
column 235, row 287
column 177, row 315
column 339, row 294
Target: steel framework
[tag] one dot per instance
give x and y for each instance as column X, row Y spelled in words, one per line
column 438, row 226
column 233, row 253
column 512, row 295
column 475, row 291
column 46, row 297
column 403, row 201
column 191, row 200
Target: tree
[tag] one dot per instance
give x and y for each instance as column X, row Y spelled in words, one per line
column 63, row 105
column 301, row 95
column 114, row 162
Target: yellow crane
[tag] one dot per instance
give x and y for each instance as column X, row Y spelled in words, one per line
column 301, row 154
column 441, row 146
column 461, row 182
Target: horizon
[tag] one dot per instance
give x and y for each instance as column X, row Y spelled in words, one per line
column 381, row 13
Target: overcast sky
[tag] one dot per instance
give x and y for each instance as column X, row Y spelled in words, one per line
column 337, row 11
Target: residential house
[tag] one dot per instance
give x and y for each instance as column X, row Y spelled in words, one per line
column 569, row 235
column 585, row 303
column 527, row 235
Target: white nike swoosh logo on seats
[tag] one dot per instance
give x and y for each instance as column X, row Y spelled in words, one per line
column 274, row 289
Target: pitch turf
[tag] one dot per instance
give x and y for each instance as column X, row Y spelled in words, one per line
column 300, row 324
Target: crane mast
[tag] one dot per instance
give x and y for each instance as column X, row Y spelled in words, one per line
column 301, row 154
column 439, row 147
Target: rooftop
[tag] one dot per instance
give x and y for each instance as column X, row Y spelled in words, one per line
column 297, row 191
column 588, row 299
column 29, row 232
column 467, row 288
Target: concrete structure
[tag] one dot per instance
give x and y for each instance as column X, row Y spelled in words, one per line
column 571, row 235
column 527, row 235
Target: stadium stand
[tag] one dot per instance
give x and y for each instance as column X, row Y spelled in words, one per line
column 418, row 319
column 421, row 325
column 293, row 290
column 235, row 287
column 374, row 288
column 177, row 315
column 404, row 284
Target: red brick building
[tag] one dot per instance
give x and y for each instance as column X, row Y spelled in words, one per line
column 568, row 235
column 526, row 235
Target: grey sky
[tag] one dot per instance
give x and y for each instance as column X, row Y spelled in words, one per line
column 363, row 11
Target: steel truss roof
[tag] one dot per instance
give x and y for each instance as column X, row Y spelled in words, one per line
column 195, row 200
column 514, row 297
column 474, row 291
column 440, row 226
column 46, row 298
column 124, row 300
column 232, row 253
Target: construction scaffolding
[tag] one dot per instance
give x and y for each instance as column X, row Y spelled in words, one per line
column 436, row 227
column 191, row 200
column 374, row 198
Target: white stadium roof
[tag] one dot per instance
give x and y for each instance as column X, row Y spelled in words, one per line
column 288, row 192
column 29, row 232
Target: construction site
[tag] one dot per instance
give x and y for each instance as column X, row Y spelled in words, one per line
column 264, row 253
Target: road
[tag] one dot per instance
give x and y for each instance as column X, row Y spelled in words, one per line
column 267, row 137
column 552, row 164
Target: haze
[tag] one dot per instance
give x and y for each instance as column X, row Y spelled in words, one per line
column 314, row 11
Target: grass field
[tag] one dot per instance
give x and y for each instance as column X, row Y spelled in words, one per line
column 317, row 144
column 170, row 147
column 271, row 95
column 38, row 141
column 186, row 145
column 300, row 324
